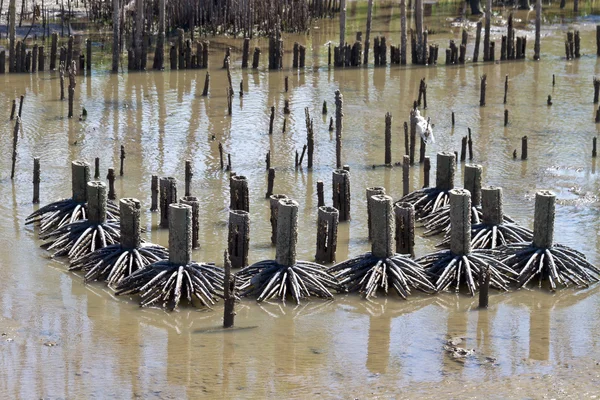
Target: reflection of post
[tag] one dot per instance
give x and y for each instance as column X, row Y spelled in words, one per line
column 539, row 332
column 378, row 351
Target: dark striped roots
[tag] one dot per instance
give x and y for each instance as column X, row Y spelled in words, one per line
column 81, row 237
column 268, row 279
column 558, row 265
column 165, row 285
column 367, row 274
column 67, row 211
column 447, row 270
column 485, row 236
column 438, row 221
column 115, row 262
column 427, row 200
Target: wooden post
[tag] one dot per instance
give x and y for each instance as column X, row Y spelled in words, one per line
column 256, row 58
column 96, row 205
column 122, row 159
column 405, row 175
column 383, row 225
column 14, row 152
column 472, row 178
column 274, row 204
column 54, row 49
column 34, row 54
column 388, row 139
column 238, row 193
column 594, row 147
column 405, row 228
column 97, row 168
column 246, row 53
column 477, row 40
column 287, row 232
column 460, row 220
column 524, row 148
column 413, row 135
column 327, row 226
column 271, row 120
column 116, row 50
column 403, row 32
column 180, row 234
column 130, row 216
column 486, row 36
column 505, row 87
column 80, row 176
column 538, row 28
column 195, row 204
column 598, row 40
column 36, row 180
column 111, row 184
column 239, row 237
column 159, row 54
column 444, row 175
column 492, row 206
column 228, row 293
column 372, row 191
column 188, row 177
column 206, row 85
column 426, row 171
column 12, row 29
column 168, row 196
column 88, row 55
column 270, row 182
column 338, row 129
column 368, row 33
column 341, row 193
column 482, row 90
column 543, row 221
column 21, row 106
column 154, row 193
column 342, row 31
column 463, row 149
column 484, row 287
column 320, row 194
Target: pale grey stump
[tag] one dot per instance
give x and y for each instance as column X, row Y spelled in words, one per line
column 383, row 226
column 130, row 212
column 460, row 222
column 287, row 232
column 96, row 192
column 80, row 176
column 180, row 234
column 543, row 220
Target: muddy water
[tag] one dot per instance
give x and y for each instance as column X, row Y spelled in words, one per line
column 63, row 339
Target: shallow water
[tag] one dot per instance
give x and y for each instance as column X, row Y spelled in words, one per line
column 63, row 339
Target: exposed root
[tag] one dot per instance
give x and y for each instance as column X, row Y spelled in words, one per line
column 427, row 200
column 66, row 211
column 558, row 265
column 448, row 269
column 114, row 263
column 367, row 274
column 493, row 236
column 81, row 237
column 268, row 279
column 166, row 284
